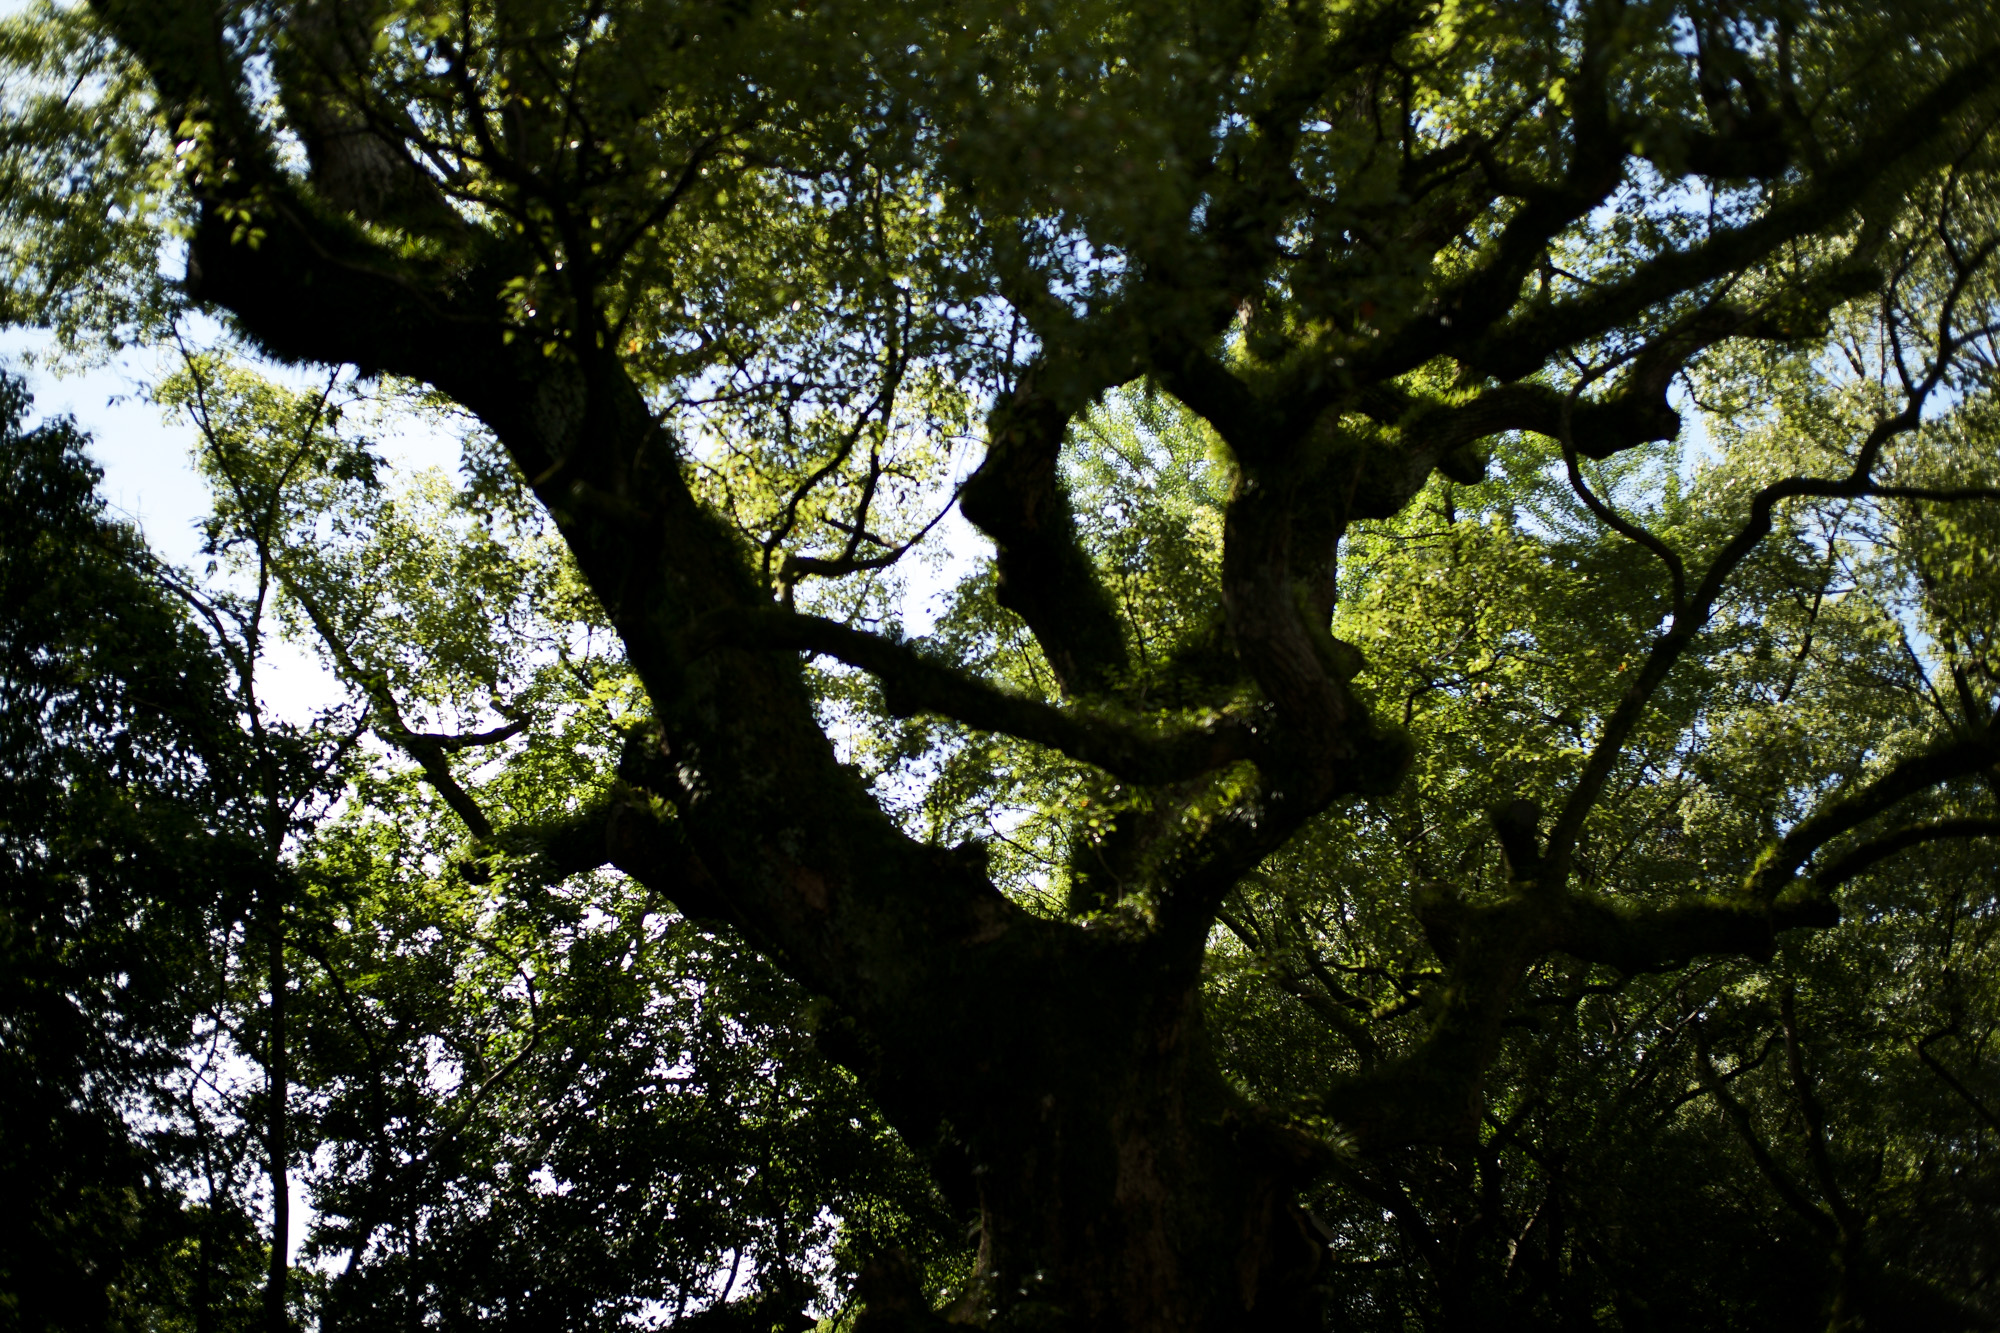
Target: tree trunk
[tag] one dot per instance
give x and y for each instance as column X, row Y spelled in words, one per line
column 1147, row 1212
column 204, row 1261
column 277, row 1081
column 1119, row 1182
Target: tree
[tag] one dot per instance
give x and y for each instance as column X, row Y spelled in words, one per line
column 128, row 852
column 1283, row 702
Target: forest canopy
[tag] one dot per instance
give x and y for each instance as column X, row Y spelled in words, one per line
column 1090, row 666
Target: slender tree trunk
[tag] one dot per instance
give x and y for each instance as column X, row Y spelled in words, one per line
column 277, row 1080
column 204, row 1260
column 1849, row 1313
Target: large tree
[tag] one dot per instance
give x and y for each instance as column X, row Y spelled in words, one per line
column 1242, row 306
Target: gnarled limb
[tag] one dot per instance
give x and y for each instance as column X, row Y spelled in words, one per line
column 1491, row 945
column 1661, row 939
column 1851, row 863
column 1431, row 1094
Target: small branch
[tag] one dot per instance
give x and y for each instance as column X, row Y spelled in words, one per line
column 1692, row 616
column 1813, row 1112
column 795, row 568
column 472, row 739
column 428, row 751
column 1334, row 1004
column 1621, row 525
column 1951, row 1080
column 1788, row 1189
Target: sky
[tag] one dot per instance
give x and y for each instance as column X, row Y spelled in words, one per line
column 149, row 476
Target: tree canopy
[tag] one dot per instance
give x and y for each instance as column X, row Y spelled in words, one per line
column 1093, row 666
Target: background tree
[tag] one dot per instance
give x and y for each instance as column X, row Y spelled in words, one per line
column 132, row 857
column 1473, row 771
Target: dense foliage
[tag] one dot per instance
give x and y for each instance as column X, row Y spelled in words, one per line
column 128, row 849
column 1092, row 666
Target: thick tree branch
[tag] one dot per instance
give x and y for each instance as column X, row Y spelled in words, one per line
column 1846, row 866
column 912, row 683
column 1430, row 1094
column 556, row 849
column 1662, row 939
column 1961, row 757
column 1017, row 498
column 1489, row 947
